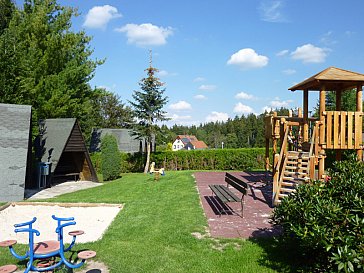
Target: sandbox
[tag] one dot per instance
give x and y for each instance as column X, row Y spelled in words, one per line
column 92, row 218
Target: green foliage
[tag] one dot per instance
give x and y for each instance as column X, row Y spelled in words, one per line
column 326, row 219
column 148, row 108
column 45, row 64
column 109, row 111
column 110, row 158
column 219, row 159
column 240, row 132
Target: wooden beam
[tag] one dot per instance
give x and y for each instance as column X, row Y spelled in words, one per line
column 359, row 98
column 305, row 115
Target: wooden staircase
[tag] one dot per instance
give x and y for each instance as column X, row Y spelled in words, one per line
column 295, row 171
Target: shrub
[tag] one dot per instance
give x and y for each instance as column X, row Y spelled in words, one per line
column 110, row 158
column 326, row 219
column 214, row 159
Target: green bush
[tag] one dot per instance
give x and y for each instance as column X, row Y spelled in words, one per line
column 110, row 158
column 219, row 159
column 326, row 219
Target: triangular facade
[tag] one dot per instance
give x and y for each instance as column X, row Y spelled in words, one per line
column 63, row 145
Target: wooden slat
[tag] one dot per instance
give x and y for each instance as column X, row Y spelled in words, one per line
column 329, row 129
column 350, row 130
column 336, row 130
column 343, row 130
column 358, row 130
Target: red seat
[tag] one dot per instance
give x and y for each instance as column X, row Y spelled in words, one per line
column 8, row 268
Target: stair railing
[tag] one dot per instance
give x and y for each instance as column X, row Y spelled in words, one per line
column 313, row 151
column 279, row 164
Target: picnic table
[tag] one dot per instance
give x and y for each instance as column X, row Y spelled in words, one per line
column 46, row 255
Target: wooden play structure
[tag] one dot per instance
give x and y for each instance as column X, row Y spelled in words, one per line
column 300, row 142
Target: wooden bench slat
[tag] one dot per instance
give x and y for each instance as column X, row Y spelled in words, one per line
column 224, row 193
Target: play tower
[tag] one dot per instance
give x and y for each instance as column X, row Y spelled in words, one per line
column 300, row 142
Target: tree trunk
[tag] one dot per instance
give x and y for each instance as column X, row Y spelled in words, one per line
column 148, row 158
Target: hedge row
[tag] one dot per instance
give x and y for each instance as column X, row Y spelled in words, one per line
column 219, row 159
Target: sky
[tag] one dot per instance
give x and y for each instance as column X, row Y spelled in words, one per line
column 221, row 58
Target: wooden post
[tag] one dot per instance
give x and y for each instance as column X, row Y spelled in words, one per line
column 275, row 179
column 266, row 154
column 359, row 108
column 321, row 157
column 305, row 115
column 338, row 108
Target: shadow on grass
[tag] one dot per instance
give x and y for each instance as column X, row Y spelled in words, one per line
column 281, row 255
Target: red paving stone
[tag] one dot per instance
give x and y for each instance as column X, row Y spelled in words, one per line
column 257, row 208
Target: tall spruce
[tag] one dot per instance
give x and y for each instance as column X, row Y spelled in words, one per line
column 148, row 108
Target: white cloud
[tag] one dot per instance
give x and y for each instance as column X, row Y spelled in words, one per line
column 244, row 96
column 282, row 53
column 181, row 105
column 99, row 16
column 289, row 71
column 176, row 117
column 165, row 73
column 217, row 116
column 327, row 39
column 200, row 97
column 199, row 79
column 146, row 34
column 309, row 54
column 247, row 58
column 280, row 103
column 243, row 109
column 271, row 11
column 207, row 87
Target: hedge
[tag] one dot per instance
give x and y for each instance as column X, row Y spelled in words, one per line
column 219, row 159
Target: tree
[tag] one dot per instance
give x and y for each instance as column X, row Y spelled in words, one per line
column 45, row 64
column 148, row 108
column 6, row 11
column 110, row 158
column 109, row 111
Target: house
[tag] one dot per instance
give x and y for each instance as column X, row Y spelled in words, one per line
column 196, row 145
column 15, row 151
column 188, row 142
column 62, row 146
column 127, row 141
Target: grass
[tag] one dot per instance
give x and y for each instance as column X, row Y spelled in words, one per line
column 154, row 231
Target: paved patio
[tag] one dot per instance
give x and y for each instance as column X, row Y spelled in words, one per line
column 257, row 208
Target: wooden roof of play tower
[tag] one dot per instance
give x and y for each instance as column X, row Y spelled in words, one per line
column 332, row 79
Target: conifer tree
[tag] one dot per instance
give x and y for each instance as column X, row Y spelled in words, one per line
column 148, row 109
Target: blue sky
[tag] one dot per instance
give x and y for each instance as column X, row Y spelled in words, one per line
column 221, row 58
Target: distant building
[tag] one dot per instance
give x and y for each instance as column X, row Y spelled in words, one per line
column 188, row 142
column 127, row 141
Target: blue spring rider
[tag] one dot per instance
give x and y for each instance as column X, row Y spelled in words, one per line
column 47, row 252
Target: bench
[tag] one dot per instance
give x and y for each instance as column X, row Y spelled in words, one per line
column 226, row 195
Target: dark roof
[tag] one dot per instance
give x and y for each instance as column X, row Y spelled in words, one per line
column 127, row 141
column 14, row 150
column 57, row 132
column 333, row 79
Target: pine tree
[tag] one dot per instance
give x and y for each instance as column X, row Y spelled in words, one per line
column 148, row 108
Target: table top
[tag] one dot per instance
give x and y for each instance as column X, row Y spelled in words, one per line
column 46, row 247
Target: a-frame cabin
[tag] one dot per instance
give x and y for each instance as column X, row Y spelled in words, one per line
column 63, row 145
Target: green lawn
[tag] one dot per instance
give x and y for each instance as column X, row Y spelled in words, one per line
column 153, row 233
